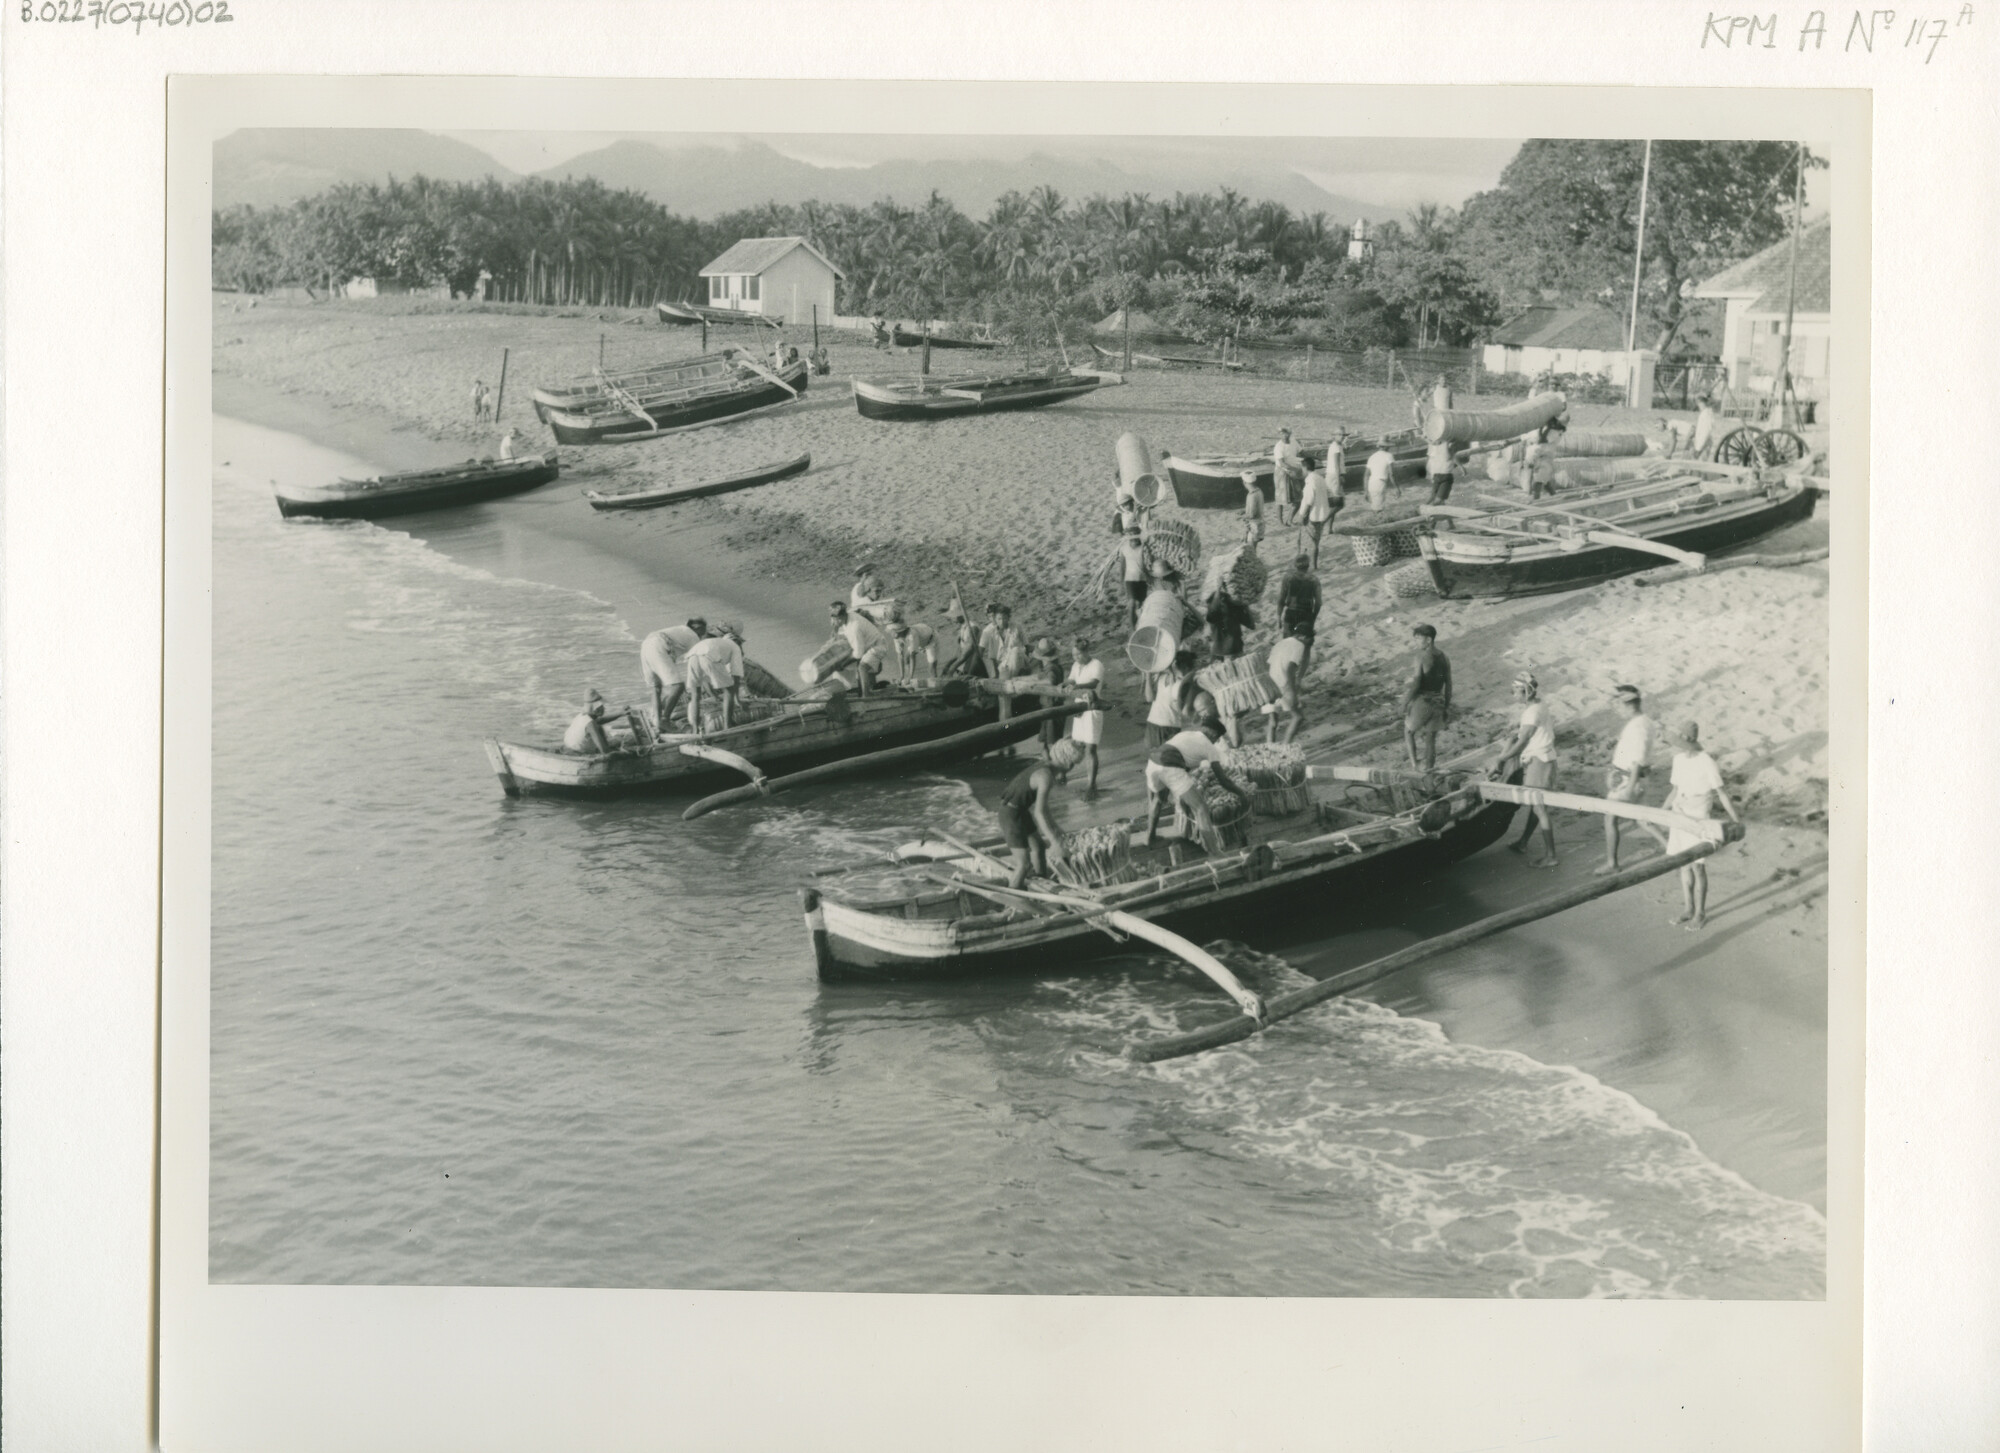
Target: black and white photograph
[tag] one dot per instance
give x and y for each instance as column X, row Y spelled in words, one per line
column 1106, row 714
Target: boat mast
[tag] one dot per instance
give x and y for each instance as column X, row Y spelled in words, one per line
column 1781, row 386
column 1639, row 258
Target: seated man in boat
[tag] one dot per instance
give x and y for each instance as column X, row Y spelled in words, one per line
column 1288, row 668
column 1427, row 701
column 715, row 668
column 1026, row 821
column 587, row 735
column 510, row 443
column 1170, row 778
column 663, row 662
column 865, row 639
column 1533, row 747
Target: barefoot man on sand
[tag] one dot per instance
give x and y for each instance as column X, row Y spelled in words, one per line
column 1533, row 745
column 1427, row 701
column 1628, row 770
column 1697, row 784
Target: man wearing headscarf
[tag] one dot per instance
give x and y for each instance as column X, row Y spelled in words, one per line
column 1533, row 747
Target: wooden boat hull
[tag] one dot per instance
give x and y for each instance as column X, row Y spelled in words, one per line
column 614, row 424
column 1534, row 568
column 888, row 719
column 418, row 490
column 875, row 400
column 675, row 315
column 904, row 339
column 1217, row 483
column 589, row 392
column 651, row 499
column 683, row 314
column 852, row 944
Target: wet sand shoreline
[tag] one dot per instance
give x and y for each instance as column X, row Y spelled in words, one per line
column 1721, row 1034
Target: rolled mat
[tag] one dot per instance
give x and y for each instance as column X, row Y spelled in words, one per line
column 1136, row 470
column 835, row 654
column 1158, row 634
column 1238, row 686
column 1174, row 544
column 1465, row 426
column 1573, row 445
column 1242, row 567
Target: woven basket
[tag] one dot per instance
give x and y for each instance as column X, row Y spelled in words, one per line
column 1174, row 544
column 1373, row 549
column 1404, row 542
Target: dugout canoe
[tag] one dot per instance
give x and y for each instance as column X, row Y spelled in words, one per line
column 1532, row 549
column 683, row 314
column 598, row 389
column 897, row 920
column 903, row 338
column 652, row 497
column 788, row 735
column 1215, row 481
column 418, row 489
column 949, row 396
column 625, row 414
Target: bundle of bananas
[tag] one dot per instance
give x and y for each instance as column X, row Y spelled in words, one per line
column 1098, row 856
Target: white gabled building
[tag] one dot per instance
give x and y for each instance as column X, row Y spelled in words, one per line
column 778, row 277
column 1756, row 291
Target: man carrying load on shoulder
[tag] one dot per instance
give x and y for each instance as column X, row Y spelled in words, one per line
column 663, row 663
column 1170, row 778
column 1026, row 821
column 1171, row 690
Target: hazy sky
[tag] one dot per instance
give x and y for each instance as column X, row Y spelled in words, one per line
column 1390, row 172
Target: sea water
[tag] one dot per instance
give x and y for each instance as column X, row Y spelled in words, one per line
column 458, row 1039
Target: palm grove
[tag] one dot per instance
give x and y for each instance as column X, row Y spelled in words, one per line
column 1559, row 227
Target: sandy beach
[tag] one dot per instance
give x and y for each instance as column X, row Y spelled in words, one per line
column 1721, row 1034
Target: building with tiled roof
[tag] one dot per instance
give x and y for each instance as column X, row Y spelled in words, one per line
column 1755, row 293
column 778, row 277
column 1552, row 339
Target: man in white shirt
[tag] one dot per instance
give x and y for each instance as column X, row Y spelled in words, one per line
column 1287, row 668
column 1533, row 746
column 1288, row 471
column 663, row 662
column 866, row 599
column 715, row 668
column 1629, row 765
column 865, row 639
column 1319, row 503
column 1697, row 784
column 913, row 643
column 1438, row 464
column 1132, row 567
column 1381, row 474
column 1171, row 689
column 1170, row 777
column 586, row 735
column 1086, row 728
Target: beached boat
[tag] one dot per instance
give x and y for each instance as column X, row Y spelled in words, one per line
column 944, row 396
column 653, row 496
column 905, row 339
column 787, row 735
column 1215, row 481
column 624, row 415
column 683, row 314
column 595, row 390
column 941, row 911
column 419, row 489
column 1572, row 540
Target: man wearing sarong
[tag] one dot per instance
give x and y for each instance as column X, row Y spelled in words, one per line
column 1427, row 701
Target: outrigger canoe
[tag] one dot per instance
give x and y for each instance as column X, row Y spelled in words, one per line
column 906, row 339
column 786, row 735
column 654, row 496
column 939, row 910
column 948, row 396
column 1567, row 541
column 623, row 415
column 600, row 389
column 684, row 314
column 1215, row 482
column 419, row 489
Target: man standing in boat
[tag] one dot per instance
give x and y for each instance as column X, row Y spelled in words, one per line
column 965, row 659
column 867, row 598
column 914, row 644
column 663, row 662
column 1438, row 465
column 1427, row 702
column 1533, row 746
column 1026, row 819
column 1628, row 771
column 1170, row 779
column 865, row 640
column 1086, row 674
column 715, row 668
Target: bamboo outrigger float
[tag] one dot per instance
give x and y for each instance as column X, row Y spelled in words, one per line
column 938, row 907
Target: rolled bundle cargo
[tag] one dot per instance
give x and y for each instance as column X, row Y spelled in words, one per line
column 1174, row 544
column 1239, row 686
column 1158, row 634
column 1466, row 426
column 761, row 681
column 1098, row 856
column 1573, row 445
column 1243, row 568
column 1267, row 764
column 1137, row 473
column 835, row 654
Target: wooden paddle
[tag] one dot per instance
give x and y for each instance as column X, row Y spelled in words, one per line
column 1098, row 915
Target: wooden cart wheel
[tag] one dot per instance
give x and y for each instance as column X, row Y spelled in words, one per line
column 1779, row 447
column 1739, row 446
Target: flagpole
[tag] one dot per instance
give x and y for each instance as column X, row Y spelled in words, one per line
column 1639, row 260
column 1782, row 385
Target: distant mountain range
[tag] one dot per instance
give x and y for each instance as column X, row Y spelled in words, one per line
column 262, row 167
